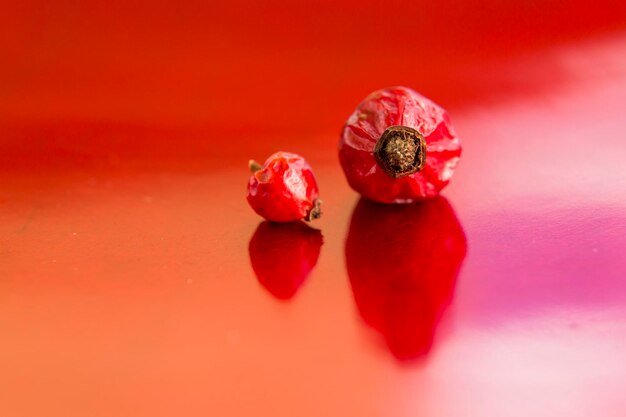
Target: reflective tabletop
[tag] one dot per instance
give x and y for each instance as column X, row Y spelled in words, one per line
column 136, row 281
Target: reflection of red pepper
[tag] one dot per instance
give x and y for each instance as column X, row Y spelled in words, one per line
column 402, row 262
column 398, row 147
column 283, row 254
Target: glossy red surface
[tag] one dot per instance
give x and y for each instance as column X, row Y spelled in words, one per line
column 127, row 285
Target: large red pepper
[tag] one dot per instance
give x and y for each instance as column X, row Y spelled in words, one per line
column 398, row 147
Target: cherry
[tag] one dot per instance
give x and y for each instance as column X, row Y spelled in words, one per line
column 398, row 147
column 284, row 189
column 402, row 263
column 283, row 255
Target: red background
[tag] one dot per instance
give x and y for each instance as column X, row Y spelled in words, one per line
column 125, row 279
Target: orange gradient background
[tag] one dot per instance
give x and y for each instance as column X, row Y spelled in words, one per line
column 126, row 287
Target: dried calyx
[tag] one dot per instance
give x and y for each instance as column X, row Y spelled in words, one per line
column 254, row 166
column 400, row 151
column 315, row 212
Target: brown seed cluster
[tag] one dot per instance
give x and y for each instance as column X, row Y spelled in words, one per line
column 400, row 151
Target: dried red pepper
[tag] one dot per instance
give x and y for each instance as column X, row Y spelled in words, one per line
column 284, row 189
column 398, row 147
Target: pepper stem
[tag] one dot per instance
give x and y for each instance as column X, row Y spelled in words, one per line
column 400, row 151
column 315, row 212
column 254, row 166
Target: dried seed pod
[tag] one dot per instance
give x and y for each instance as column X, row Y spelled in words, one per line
column 284, row 189
column 398, row 147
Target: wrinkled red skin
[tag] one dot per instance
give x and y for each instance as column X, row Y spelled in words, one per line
column 284, row 190
column 283, row 256
column 405, row 107
column 403, row 261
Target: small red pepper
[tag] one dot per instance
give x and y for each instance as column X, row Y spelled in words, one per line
column 398, row 147
column 283, row 256
column 284, row 189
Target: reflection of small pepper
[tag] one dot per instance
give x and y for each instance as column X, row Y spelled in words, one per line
column 398, row 147
column 284, row 189
column 403, row 262
column 283, row 255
